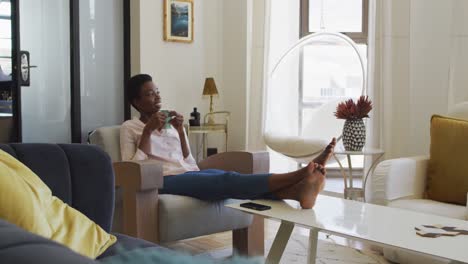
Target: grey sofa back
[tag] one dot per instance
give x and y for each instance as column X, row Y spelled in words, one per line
column 80, row 175
column 21, row 247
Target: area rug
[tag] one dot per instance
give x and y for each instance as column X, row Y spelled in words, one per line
column 328, row 252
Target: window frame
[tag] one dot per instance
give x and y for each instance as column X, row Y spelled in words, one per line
column 358, row 37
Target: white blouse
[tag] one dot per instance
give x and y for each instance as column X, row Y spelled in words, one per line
column 165, row 147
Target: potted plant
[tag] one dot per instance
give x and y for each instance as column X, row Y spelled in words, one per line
column 354, row 129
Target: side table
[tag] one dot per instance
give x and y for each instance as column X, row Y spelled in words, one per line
column 204, row 130
column 351, row 192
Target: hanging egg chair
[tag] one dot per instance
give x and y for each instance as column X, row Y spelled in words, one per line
column 300, row 102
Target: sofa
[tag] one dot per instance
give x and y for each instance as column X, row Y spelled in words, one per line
column 80, row 175
column 161, row 218
column 401, row 183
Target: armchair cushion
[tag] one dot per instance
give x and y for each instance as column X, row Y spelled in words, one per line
column 176, row 211
column 448, row 169
column 108, row 139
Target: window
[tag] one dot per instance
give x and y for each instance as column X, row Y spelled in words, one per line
column 329, row 68
column 346, row 16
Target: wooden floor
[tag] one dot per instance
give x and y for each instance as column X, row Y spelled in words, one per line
column 220, row 241
column 200, row 245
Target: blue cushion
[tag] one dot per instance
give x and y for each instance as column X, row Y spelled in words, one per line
column 126, row 243
column 150, row 256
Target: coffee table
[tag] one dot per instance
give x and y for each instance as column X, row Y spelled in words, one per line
column 380, row 225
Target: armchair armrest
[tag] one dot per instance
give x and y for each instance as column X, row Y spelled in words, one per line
column 239, row 161
column 139, row 181
column 139, row 175
column 396, row 179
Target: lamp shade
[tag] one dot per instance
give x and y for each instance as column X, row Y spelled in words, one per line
column 210, row 87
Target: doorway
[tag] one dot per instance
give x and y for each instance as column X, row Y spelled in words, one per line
column 65, row 63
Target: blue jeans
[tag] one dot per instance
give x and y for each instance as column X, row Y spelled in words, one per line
column 213, row 185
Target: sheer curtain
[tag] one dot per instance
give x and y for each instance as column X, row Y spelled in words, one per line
column 419, row 59
column 281, row 32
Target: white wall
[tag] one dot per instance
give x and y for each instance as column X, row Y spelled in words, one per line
column 429, row 67
column 179, row 69
column 257, row 29
column 421, row 67
column 219, row 50
column 235, row 67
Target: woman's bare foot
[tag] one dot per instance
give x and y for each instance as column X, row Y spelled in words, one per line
column 282, row 181
column 326, row 153
column 307, row 190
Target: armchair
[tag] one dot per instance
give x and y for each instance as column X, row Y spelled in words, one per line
column 142, row 212
column 401, row 183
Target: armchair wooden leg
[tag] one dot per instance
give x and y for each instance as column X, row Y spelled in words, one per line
column 250, row 241
column 140, row 214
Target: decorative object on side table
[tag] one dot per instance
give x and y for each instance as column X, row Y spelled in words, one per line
column 354, row 129
column 211, row 151
column 194, row 118
column 178, row 20
column 211, row 90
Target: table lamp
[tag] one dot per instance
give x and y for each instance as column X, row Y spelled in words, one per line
column 210, row 89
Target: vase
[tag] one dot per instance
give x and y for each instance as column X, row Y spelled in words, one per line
column 354, row 134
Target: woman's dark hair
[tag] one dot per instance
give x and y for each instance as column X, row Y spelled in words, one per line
column 134, row 86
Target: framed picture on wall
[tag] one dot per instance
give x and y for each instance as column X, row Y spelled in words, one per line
column 178, row 20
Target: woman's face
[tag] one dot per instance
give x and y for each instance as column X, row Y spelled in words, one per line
column 149, row 100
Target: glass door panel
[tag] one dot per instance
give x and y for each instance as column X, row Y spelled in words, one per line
column 45, row 103
column 6, row 84
column 101, row 58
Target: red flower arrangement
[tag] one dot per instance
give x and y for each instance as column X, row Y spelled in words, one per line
column 350, row 110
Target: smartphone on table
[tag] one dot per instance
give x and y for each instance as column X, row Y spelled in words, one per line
column 255, row 206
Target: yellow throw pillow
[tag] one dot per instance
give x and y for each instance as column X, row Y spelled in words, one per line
column 27, row 202
column 448, row 163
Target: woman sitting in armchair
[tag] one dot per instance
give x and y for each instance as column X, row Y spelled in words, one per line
column 147, row 137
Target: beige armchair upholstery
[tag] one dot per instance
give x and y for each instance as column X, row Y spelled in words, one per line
column 143, row 213
column 401, row 183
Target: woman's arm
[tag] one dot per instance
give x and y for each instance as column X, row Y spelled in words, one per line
column 178, row 123
column 156, row 121
column 128, row 145
column 145, row 141
column 183, row 143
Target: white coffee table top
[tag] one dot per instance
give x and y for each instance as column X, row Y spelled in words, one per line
column 378, row 224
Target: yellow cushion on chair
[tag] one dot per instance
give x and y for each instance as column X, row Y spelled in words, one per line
column 448, row 163
column 27, row 202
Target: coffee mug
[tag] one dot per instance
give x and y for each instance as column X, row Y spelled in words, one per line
column 168, row 118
